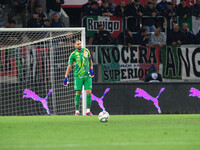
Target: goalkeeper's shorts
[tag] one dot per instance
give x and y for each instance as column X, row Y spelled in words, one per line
column 79, row 82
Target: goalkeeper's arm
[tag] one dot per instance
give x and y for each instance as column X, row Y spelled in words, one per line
column 91, row 74
column 66, row 82
column 91, row 64
column 69, row 67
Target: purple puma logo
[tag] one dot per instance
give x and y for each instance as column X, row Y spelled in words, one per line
column 30, row 94
column 144, row 94
column 194, row 92
column 100, row 100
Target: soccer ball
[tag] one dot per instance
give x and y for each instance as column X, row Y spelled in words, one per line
column 104, row 116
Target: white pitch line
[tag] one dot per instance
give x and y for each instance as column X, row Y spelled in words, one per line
column 49, row 146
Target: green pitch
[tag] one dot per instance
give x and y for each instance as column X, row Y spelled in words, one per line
column 127, row 132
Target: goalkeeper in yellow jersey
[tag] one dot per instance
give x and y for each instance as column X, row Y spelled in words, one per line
column 83, row 73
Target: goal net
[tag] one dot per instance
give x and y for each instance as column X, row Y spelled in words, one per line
column 33, row 63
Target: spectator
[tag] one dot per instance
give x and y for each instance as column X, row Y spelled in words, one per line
column 66, row 40
column 130, row 1
column 190, row 37
column 34, row 21
column 125, row 38
column 105, row 10
column 174, row 5
column 135, row 10
column 56, row 22
column 6, row 25
column 112, row 5
column 141, row 37
column 55, row 7
column 2, row 17
column 32, row 5
column 85, row 8
column 161, row 5
column 198, row 38
column 183, row 10
column 41, row 13
column 20, row 7
column 145, row 3
column 93, row 10
column 11, row 23
column 153, row 75
column 46, row 24
column 154, row 3
column 169, row 13
column 176, row 36
column 2, row 4
column 196, row 10
column 159, row 20
column 119, row 10
column 101, row 37
column 158, row 38
column 149, row 22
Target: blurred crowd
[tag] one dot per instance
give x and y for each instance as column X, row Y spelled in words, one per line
column 145, row 25
column 31, row 13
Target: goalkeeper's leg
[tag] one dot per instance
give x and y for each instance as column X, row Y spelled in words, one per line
column 78, row 83
column 89, row 101
column 77, row 102
column 88, row 88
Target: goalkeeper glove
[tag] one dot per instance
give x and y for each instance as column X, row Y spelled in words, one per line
column 66, row 82
column 91, row 74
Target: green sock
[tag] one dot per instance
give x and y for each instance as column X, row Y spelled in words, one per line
column 77, row 101
column 89, row 100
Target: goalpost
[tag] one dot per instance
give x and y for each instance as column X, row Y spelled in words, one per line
column 33, row 62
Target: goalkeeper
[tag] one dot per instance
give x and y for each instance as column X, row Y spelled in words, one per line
column 83, row 73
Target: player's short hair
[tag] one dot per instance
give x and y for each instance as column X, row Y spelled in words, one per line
column 76, row 41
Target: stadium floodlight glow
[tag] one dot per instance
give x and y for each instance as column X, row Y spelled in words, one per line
column 145, row 95
column 30, row 94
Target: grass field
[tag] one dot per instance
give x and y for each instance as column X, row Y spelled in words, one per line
column 127, row 132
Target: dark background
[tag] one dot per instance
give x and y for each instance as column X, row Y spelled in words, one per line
column 74, row 16
column 173, row 100
column 119, row 100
